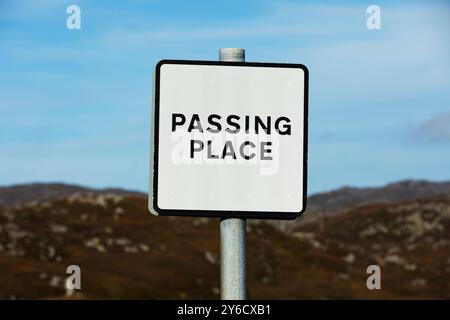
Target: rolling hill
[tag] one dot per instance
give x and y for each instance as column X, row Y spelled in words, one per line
column 124, row 252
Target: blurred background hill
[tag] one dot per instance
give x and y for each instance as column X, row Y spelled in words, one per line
column 124, row 252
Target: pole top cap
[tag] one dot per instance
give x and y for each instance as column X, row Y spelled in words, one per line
column 232, row 54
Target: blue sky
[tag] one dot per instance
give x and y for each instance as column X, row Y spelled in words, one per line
column 75, row 104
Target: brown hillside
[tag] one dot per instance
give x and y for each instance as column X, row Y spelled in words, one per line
column 124, row 252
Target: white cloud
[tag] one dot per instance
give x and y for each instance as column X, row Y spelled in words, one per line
column 437, row 128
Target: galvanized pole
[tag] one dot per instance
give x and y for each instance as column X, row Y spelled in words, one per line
column 232, row 231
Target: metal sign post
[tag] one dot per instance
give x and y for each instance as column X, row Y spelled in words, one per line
column 232, row 231
column 262, row 108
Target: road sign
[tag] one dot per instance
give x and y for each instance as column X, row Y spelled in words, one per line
column 229, row 139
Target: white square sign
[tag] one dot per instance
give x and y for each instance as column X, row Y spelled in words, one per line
column 229, row 139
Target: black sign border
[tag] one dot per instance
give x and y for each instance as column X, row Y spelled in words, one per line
column 153, row 203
